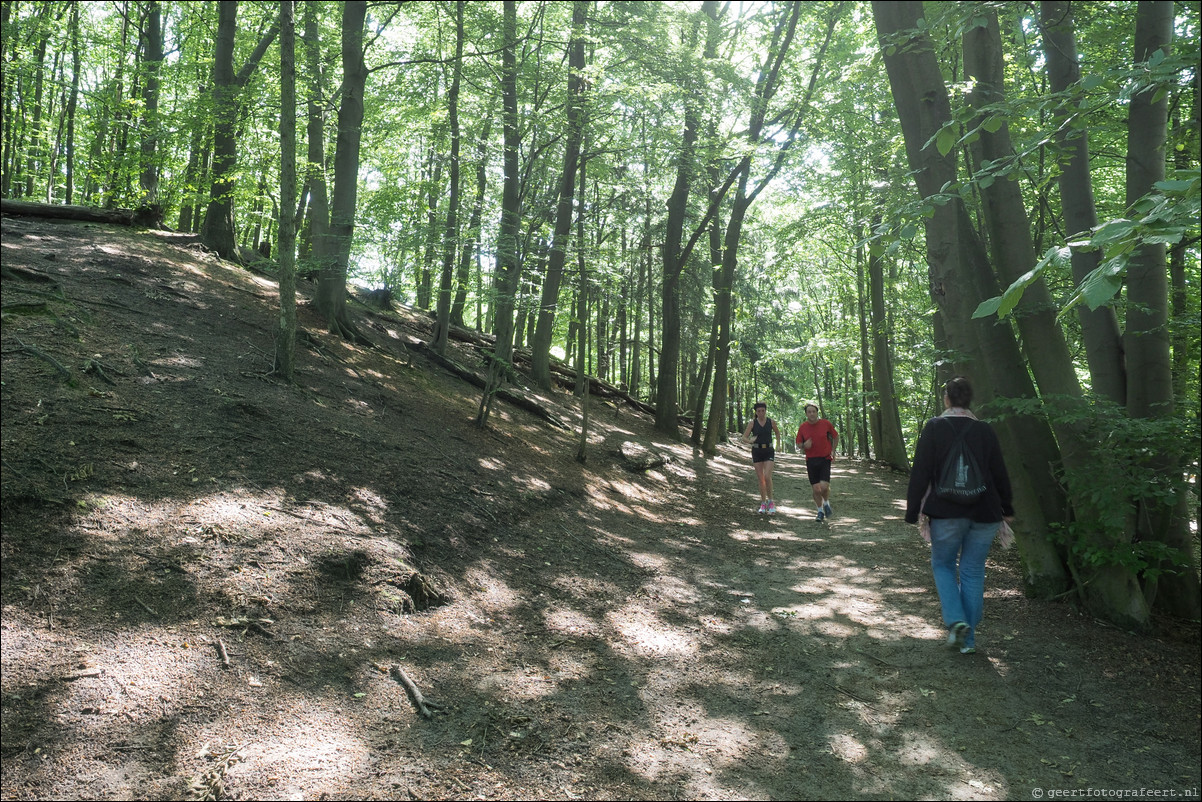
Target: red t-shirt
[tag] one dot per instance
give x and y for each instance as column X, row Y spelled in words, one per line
column 821, row 433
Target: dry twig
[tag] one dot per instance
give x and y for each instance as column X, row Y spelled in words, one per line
column 425, row 708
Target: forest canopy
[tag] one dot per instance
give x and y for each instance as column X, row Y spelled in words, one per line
column 706, row 204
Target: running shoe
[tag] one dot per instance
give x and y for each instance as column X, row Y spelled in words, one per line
column 771, row 507
column 968, row 650
column 826, row 507
column 957, row 634
column 763, row 506
column 821, row 516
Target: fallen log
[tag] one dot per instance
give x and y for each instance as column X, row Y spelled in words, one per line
column 512, row 396
column 88, row 214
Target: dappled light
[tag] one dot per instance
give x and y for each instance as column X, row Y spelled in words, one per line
column 219, row 584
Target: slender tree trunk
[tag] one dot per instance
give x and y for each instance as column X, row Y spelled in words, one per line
column 1182, row 301
column 433, row 174
column 8, row 126
column 1149, row 359
column 192, row 174
column 204, row 176
column 623, row 322
column 451, row 237
column 508, row 267
column 540, row 371
column 871, row 411
column 320, row 249
column 471, row 240
column 285, row 344
column 892, row 448
column 674, row 258
column 723, row 288
column 36, row 138
column 1150, row 391
column 1099, row 327
column 713, row 344
column 640, row 294
column 72, row 103
column 582, row 297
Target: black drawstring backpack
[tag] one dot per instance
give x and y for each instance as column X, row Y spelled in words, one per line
column 960, row 479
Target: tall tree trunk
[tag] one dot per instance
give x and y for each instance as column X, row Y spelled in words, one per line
column 7, row 126
column 674, row 256
column 712, row 345
column 1149, row 358
column 152, row 59
column 72, row 102
column 451, row 237
column 582, row 297
column 870, row 409
column 892, row 448
column 472, row 238
column 960, row 277
column 331, row 290
column 192, row 172
column 36, row 139
column 1046, row 351
column 1182, row 301
column 433, row 181
column 285, row 344
column 640, row 294
column 540, row 370
column 508, row 266
column 218, row 229
column 317, row 220
column 1099, row 327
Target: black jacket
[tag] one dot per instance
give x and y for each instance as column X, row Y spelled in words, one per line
column 933, row 445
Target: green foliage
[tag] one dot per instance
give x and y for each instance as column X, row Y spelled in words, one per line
column 1166, row 216
column 1125, row 475
column 843, row 193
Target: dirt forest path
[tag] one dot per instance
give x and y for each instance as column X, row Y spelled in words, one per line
column 779, row 657
column 212, row 582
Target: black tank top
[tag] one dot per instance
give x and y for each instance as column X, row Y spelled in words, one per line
column 763, row 434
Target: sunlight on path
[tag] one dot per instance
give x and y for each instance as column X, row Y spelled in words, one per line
column 776, row 655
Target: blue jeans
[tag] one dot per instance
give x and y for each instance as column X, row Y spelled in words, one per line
column 959, row 547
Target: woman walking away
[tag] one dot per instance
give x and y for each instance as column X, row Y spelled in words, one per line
column 763, row 455
column 959, row 522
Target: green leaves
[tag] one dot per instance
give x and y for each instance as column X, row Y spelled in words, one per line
column 1166, row 216
column 1004, row 304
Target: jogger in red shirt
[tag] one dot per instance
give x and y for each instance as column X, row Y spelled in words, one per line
column 818, row 438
